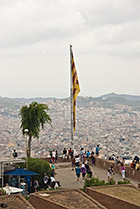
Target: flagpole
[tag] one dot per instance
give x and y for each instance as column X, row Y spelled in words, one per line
column 71, row 99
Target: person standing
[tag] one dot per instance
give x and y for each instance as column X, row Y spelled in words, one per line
column 73, row 163
column 56, row 156
column 64, row 153
column 50, row 156
column 82, row 154
column 97, row 150
column 78, row 171
column 53, row 156
column 93, row 158
column 123, row 171
column 83, row 170
column 69, row 153
column 89, row 172
column 14, row 154
column 108, row 174
column 77, row 160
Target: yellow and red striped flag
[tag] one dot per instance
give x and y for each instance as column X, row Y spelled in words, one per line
column 75, row 88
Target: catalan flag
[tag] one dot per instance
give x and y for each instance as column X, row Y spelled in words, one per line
column 75, row 88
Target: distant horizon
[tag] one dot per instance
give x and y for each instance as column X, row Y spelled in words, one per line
column 63, row 97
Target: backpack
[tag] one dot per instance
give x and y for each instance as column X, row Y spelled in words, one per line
column 15, row 154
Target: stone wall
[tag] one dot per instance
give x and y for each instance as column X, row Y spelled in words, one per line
column 134, row 174
column 41, row 203
column 109, row 201
column 68, row 197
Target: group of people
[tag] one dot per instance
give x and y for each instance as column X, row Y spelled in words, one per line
column 50, row 182
column 83, row 169
column 81, row 163
column 135, row 164
column 84, row 155
column 119, row 162
column 53, row 156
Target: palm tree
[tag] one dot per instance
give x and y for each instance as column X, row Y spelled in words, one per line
column 33, row 118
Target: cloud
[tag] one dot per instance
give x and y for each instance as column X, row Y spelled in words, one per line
column 98, row 23
column 35, row 38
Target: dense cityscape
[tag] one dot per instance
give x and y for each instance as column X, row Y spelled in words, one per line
column 115, row 127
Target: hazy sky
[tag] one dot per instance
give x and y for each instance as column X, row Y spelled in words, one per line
column 34, row 47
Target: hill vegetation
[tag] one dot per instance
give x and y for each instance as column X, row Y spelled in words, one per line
column 8, row 106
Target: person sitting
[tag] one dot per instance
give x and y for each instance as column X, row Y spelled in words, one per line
column 136, row 158
column 117, row 161
column 53, row 183
column 46, row 178
column 133, row 164
column 137, row 166
column 36, row 186
column 113, row 157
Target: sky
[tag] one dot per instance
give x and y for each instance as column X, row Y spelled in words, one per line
column 34, row 47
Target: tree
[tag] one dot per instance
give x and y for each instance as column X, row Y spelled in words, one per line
column 33, row 118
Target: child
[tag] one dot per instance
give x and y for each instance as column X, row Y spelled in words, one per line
column 53, row 167
column 78, row 171
column 112, row 170
column 109, row 174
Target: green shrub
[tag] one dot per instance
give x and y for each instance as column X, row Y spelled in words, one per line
column 39, row 166
column 126, row 181
column 96, row 182
column 2, row 192
column 112, row 181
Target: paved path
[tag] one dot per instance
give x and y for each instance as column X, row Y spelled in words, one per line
column 67, row 177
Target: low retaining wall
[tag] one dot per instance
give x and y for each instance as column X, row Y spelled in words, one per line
column 60, row 159
column 40, row 202
column 109, row 201
column 134, row 174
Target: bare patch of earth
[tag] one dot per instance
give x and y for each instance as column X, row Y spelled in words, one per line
column 125, row 193
column 14, row 202
column 72, row 199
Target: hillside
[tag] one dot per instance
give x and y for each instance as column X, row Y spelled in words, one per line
column 112, row 121
column 9, row 105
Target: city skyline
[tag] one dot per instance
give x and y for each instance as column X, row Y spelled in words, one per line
column 35, row 55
